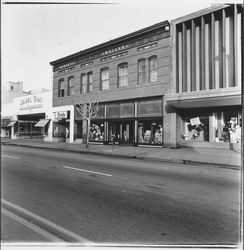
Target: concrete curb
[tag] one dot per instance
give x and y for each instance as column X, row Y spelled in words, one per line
column 121, row 156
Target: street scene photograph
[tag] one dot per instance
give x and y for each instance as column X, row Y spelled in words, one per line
column 121, row 124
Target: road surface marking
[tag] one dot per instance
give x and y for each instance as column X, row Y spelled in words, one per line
column 8, row 156
column 88, row 171
column 34, row 217
column 31, row 226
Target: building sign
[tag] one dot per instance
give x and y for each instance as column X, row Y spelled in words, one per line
column 60, row 115
column 30, row 102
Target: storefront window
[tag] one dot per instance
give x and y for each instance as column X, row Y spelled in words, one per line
column 96, row 131
column 196, row 128
column 228, row 126
column 26, row 128
column 150, row 132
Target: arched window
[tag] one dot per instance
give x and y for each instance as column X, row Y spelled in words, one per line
column 123, row 74
column 104, row 76
column 61, row 88
column 83, row 83
column 141, row 71
column 153, row 69
column 70, row 86
column 89, row 82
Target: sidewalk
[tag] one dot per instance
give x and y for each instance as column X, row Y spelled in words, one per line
column 221, row 157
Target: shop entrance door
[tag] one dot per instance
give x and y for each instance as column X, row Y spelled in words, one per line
column 123, row 131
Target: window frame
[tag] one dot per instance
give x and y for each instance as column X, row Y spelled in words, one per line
column 70, row 86
column 89, row 81
column 140, row 73
column 83, row 84
column 121, row 78
column 61, row 90
column 152, row 70
column 102, row 81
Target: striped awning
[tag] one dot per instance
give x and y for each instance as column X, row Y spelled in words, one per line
column 11, row 124
column 42, row 123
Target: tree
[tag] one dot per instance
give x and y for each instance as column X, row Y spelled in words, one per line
column 87, row 111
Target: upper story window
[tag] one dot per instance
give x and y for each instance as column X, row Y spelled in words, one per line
column 104, row 78
column 89, row 82
column 61, row 88
column 153, row 69
column 123, row 74
column 83, row 83
column 141, row 71
column 70, row 86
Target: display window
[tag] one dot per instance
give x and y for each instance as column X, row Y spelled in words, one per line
column 196, row 128
column 26, row 128
column 96, row 131
column 228, row 126
column 150, row 132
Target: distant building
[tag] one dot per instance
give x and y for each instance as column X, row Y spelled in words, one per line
column 204, row 103
column 28, row 116
column 11, row 90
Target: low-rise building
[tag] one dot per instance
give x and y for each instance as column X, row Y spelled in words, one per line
column 127, row 76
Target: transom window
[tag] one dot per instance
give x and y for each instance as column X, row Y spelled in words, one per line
column 123, row 75
column 104, row 78
column 153, row 69
column 61, row 88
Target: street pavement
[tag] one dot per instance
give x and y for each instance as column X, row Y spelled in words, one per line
column 218, row 156
column 92, row 199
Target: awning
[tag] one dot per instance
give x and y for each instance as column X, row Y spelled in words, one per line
column 11, row 124
column 42, row 123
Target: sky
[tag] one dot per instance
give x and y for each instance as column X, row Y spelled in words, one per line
column 33, row 35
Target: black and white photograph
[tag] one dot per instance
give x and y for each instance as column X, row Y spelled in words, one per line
column 121, row 124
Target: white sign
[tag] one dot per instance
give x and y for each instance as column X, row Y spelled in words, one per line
column 60, row 115
column 195, row 121
column 30, row 102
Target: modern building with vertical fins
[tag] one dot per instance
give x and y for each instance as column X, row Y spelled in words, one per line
column 204, row 103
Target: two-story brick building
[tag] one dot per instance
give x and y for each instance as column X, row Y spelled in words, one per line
column 128, row 77
column 204, row 103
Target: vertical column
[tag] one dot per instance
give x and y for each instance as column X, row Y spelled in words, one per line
column 136, row 123
column 212, row 56
column 147, row 70
column 193, row 56
column 212, row 127
column 202, row 55
column 179, row 61
column 235, row 47
column 71, row 124
column 223, row 49
column 184, row 59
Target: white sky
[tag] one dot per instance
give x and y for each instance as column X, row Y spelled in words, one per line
column 34, row 35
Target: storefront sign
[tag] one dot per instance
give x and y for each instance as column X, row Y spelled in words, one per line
column 60, row 115
column 195, row 121
column 30, row 102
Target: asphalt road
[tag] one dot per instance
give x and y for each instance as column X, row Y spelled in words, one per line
column 55, row 196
